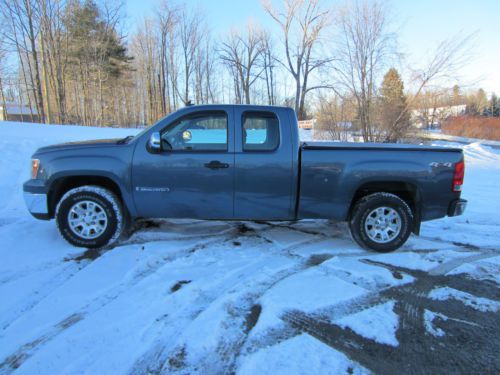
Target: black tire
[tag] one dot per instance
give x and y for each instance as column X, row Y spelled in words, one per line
column 115, row 221
column 365, row 206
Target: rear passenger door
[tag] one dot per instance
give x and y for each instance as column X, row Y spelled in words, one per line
column 263, row 165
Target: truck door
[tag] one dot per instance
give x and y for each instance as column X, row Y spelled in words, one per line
column 264, row 165
column 192, row 177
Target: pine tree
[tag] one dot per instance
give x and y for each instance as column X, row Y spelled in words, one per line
column 98, row 59
column 494, row 107
column 457, row 98
column 394, row 114
column 477, row 103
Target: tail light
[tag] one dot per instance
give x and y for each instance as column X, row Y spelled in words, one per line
column 458, row 176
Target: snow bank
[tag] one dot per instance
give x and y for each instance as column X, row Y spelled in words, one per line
column 18, row 141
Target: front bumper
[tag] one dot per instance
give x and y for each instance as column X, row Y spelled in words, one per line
column 35, row 198
column 457, row 207
column 37, row 204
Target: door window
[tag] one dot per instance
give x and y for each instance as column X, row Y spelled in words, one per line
column 260, row 131
column 197, row 132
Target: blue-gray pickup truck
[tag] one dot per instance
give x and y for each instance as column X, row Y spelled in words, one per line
column 242, row 162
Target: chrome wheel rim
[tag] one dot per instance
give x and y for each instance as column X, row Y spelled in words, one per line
column 383, row 224
column 87, row 219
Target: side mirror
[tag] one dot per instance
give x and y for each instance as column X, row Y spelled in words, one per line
column 154, row 143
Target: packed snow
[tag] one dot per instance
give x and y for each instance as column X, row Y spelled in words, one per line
column 187, row 296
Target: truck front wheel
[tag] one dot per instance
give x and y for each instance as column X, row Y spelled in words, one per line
column 381, row 222
column 90, row 216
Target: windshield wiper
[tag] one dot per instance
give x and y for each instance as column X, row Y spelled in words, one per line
column 125, row 140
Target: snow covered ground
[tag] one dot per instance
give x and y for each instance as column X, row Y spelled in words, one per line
column 193, row 297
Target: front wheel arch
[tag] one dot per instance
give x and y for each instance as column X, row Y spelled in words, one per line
column 62, row 185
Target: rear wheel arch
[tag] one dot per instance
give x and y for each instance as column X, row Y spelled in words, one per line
column 407, row 191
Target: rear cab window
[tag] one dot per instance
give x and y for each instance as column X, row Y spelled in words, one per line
column 260, row 131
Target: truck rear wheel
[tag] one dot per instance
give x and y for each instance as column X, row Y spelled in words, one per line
column 90, row 216
column 381, row 222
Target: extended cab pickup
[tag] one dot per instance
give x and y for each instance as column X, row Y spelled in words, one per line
column 241, row 162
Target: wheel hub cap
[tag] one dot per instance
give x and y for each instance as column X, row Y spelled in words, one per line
column 87, row 219
column 383, row 224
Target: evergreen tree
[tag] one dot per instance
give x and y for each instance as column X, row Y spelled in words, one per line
column 494, row 106
column 477, row 103
column 93, row 40
column 457, row 98
column 394, row 114
column 98, row 59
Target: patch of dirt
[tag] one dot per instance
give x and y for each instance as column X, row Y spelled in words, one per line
column 317, row 259
column 471, row 340
column 252, row 318
column 89, row 254
column 179, row 285
column 15, row 360
column 242, row 228
column 178, row 359
column 146, row 224
column 397, row 275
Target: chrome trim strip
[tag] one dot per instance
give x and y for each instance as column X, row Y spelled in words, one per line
column 36, row 203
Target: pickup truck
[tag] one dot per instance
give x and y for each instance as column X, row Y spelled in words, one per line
column 242, row 162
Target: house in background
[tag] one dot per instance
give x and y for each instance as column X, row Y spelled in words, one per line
column 432, row 118
column 18, row 112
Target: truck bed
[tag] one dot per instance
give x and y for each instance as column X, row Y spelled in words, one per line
column 332, row 173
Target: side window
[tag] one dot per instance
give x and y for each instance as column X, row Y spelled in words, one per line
column 261, row 131
column 205, row 131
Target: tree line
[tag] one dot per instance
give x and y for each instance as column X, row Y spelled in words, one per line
column 71, row 62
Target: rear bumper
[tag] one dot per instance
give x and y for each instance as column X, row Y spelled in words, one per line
column 457, row 207
column 35, row 199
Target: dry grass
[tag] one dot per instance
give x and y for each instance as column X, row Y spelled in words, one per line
column 473, row 127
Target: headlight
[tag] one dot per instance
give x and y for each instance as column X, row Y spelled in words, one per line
column 35, row 166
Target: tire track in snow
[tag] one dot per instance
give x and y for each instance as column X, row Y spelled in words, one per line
column 25, row 351
column 169, row 356
column 412, row 300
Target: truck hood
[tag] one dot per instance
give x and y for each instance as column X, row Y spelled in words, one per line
column 81, row 144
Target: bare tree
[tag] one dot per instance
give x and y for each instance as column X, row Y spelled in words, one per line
column 363, row 50
column 3, row 53
column 334, row 117
column 167, row 20
column 53, row 47
column 24, row 25
column 241, row 54
column 269, row 66
column 302, row 23
column 443, row 66
column 146, row 64
column 190, row 40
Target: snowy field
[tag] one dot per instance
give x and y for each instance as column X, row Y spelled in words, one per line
column 191, row 297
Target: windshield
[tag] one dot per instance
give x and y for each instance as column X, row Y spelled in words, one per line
column 138, row 135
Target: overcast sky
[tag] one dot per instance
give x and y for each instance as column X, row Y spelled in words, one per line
column 421, row 24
